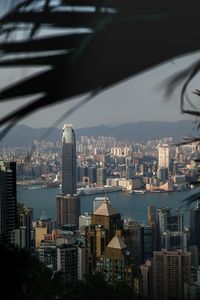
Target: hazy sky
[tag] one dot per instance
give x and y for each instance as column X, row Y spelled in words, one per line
column 136, row 99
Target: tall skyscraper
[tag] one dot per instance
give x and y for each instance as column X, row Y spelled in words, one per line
column 68, row 202
column 163, row 156
column 8, row 200
column 68, row 161
column 101, row 176
column 104, row 222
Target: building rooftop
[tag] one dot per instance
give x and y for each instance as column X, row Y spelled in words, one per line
column 44, row 217
column 116, row 243
column 105, row 209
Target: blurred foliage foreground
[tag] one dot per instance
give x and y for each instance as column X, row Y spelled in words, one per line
column 23, row 276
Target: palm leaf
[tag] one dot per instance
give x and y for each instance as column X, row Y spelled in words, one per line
column 105, row 42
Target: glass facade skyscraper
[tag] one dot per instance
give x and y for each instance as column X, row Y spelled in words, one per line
column 68, row 202
column 68, row 161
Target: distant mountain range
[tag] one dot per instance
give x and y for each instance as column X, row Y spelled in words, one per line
column 138, row 131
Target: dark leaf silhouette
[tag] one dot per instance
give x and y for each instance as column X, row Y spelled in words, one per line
column 105, row 42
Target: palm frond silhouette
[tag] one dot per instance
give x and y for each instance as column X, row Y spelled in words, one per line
column 101, row 44
column 88, row 46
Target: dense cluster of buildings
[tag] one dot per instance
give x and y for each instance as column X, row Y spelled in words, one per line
column 160, row 259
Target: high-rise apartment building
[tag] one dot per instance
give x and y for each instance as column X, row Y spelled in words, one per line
column 163, row 156
column 67, row 261
column 68, row 202
column 171, row 269
column 8, row 199
column 21, row 236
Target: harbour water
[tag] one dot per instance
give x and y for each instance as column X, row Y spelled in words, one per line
column 129, row 205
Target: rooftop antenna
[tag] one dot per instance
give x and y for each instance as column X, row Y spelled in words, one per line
column 4, row 152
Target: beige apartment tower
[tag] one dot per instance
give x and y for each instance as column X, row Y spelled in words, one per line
column 163, row 156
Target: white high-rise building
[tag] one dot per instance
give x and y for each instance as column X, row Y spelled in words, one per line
column 163, row 156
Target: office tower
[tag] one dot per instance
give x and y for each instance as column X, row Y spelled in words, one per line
column 163, row 174
column 21, row 236
column 101, row 176
column 146, row 282
column 47, row 254
column 163, row 156
column 83, row 172
column 171, row 269
column 172, row 240
column 98, row 201
column 148, row 243
column 151, row 215
column 8, row 200
column 25, row 218
column 96, row 240
column 134, row 239
column 104, row 222
column 195, row 226
column 116, row 262
column 18, row 237
column 92, row 173
column 68, row 210
column 107, row 216
column 67, row 261
column 68, row 161
column 81, row 255
column 43, row 227
column 68, row 202
column 84, row 220
column 168, row 221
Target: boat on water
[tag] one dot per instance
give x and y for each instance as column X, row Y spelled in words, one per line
column 140, row 192
column 32, row 187
column 53, row 184
column 98, row 190
column 161, row 191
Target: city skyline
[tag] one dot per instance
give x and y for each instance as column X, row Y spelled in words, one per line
column 98, row 65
